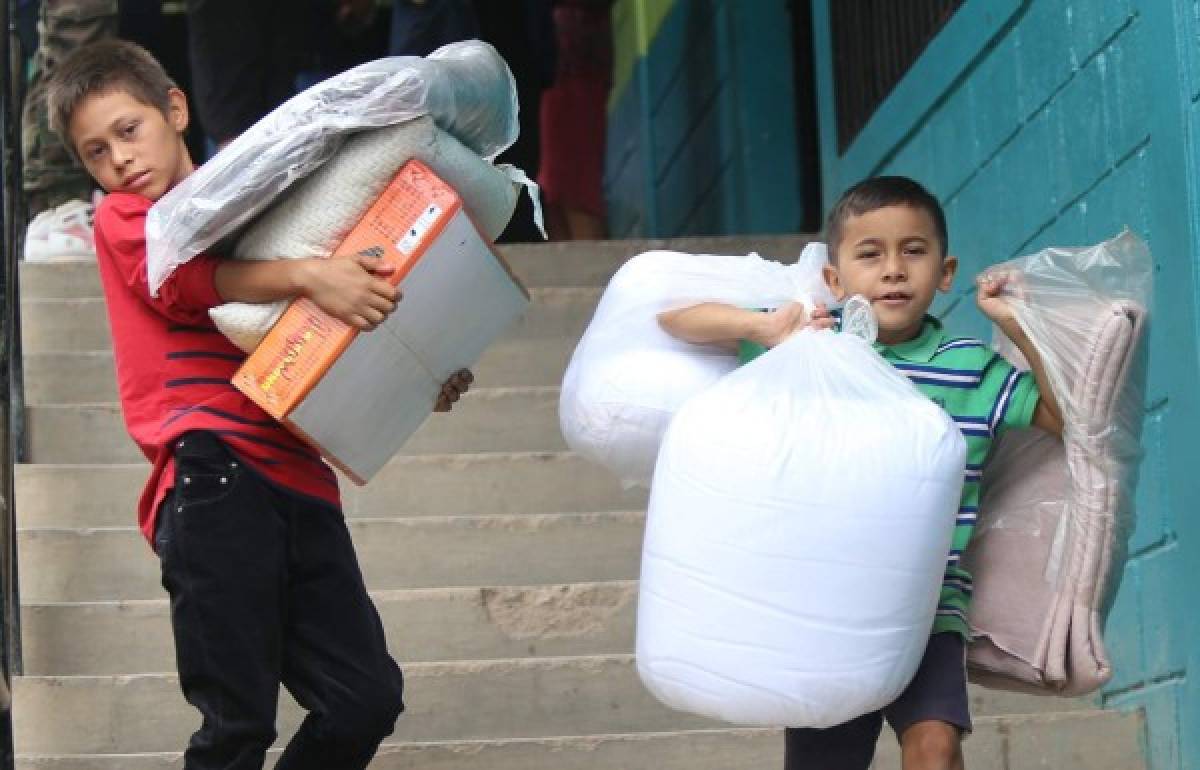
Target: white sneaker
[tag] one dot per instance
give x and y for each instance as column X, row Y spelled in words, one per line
column 62, row 233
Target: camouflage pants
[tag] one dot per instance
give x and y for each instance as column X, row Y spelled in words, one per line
column 51, row 175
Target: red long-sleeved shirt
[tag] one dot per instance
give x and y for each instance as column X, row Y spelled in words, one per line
column 174, row 367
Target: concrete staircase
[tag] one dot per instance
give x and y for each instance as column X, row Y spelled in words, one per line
column 504, row 568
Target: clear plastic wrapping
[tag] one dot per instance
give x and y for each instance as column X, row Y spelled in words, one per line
column 628, row 377
column 1055, row 515
column 465, row 87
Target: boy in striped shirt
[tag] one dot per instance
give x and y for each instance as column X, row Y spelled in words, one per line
column 888, row 242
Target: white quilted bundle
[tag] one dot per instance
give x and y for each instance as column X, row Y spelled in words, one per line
column 797, row 532
column 627, row 376
column 315, row 215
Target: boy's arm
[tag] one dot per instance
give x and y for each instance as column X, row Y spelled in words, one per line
column 348, row 289
column 1047, row 415
column 714, row 323
column 119, row 228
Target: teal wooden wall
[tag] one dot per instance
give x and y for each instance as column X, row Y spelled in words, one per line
column 1057, row 122
column 702, row 119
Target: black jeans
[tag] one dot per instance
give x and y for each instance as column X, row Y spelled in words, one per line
column 265, row 588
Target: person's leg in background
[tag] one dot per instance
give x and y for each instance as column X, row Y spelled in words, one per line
column 58, row 191
column 245, row 57
column 420, row 28
column 523, row 33
column 573, row 123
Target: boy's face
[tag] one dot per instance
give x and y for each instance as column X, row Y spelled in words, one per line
column 892, row 256
column 129, row 146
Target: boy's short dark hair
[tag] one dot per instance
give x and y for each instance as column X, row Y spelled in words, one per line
column 878, row 192
column 102, row 67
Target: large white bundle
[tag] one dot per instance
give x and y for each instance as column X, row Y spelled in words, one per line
column 798, row 528
column 628, row 377
column 313, row 217
column 465, row 87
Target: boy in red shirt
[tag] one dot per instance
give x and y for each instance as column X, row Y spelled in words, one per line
column 246, row 519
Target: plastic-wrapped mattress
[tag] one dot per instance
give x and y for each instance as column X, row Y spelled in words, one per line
column 1055, row 516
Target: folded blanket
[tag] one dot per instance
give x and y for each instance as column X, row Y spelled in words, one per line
column 1054, row 520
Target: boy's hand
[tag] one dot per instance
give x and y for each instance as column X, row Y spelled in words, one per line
column 453, row 390
column 821, row 317
column 350, row 290
column 989, row 296
column 779, row 324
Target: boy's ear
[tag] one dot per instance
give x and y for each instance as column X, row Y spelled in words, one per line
column 177, row 110
column 833, row 281
column 949, row 268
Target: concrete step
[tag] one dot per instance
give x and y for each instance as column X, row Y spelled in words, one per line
column 589, row 263
column 81, row 325
column 88, row 377
column 433, row 624
column 486, row 420
column 469, row 700
column 1095, row 740
column 537, row 698
column 496, row 483
column 82, row 565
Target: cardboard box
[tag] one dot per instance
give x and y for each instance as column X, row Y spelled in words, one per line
column 357, row 397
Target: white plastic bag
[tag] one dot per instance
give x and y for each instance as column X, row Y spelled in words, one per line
column 628, row 377
column 466, row 87
column 312, row 217
column 799, row 521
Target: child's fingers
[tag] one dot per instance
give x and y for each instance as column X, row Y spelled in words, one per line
column 991, row 285
column 385, row 289
column 382, row 304
column 374, row 265
column 372, row 316
column 998, row 281
column 446, row 398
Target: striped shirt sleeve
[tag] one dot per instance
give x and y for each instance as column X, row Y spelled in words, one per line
column 1016, row 396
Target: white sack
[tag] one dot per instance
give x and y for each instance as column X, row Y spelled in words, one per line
column 465, row 87
column 314, row 216
column 798, row 527
column 627, row 376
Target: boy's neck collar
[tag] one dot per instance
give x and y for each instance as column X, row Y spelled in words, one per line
column 919, row 349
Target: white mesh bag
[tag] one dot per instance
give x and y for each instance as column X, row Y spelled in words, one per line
column 314, row 216
column 627, row 376
column 798, row 526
